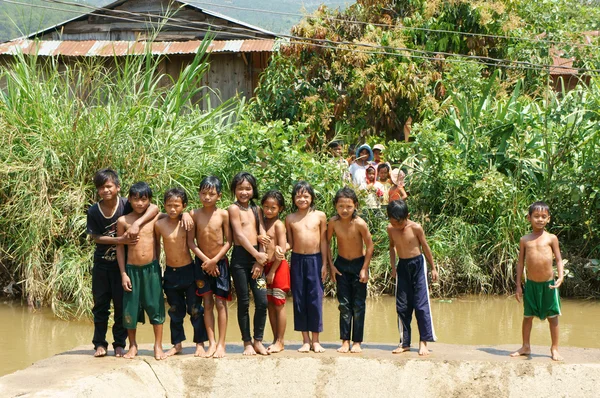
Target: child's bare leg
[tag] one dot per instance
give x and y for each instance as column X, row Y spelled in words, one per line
column 272, row 319
column 400, row 349
column 554, row 335
column 133, row 348
column 176, row 349
column 279, row 329
column 316, row 345
column 356, row 347
column 119, row 351
column 100, row 351
column 222, row 320
column 423, row 350
column 526, row 347
column 209, row 322
column 305, row 343
column 345, row 347
column 158, row 334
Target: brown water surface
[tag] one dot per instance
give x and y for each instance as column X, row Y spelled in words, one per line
column 27, row 336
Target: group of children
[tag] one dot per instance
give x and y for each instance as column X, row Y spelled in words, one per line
column 128, row 234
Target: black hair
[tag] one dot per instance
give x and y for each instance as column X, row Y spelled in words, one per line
column 141, row 190
column 303, row 186
column 540, row 206
column 347, row 193
column 176, row 193
column 398, row 210
column 334, row 144
column 351, row 149
column 211, row 182
column 382, row 166
column 275, row 194
column 104, row 175
column 241, row 177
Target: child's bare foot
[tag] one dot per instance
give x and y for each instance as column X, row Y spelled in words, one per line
column 260, row 348
column 356, row 348
column 555, row 355
column 220, row 352
column 400, row 350
column 119, row 352
column 524, row 350
column 423, row 351
column 276, row 347
column 212, row 348
column 159, row 354
column 317, row 347
column 305, row 348
column 176, row 349
column 100, row 352
column 248, row 349
column 133, row 350
column 345, row 347
column 200, row 350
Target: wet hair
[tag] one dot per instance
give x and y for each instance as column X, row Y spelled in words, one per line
column 274, row 194
column 303, row 186
column 176, row 193
column 103, row 176
column 334, row 144
column 347, row 193
column 398, row 210
column 240, row 178
column 539, row 206
column 210, row 183
column 141, row 190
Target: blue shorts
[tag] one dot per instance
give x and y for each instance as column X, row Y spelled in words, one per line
column 219, row 285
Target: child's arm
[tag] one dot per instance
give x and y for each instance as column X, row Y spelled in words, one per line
column 279, row 241
column 211, row 265
column 392, row 251
column 289, row 234
column 363, row 228
column 559, row 262
column 191, row 241
column 333, row 270
column 427, row 251
column 134, row 228
column 402, row 192
column 187, row 222
column 125, row 281
column 324, row 249
column 236, row 227
column 157, row 237
column 520, row 267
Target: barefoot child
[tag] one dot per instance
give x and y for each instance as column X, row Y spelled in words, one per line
column 306, row 235
column 277, row 271
column 179, row 282
column 407, row 240
column 141, row 277
column 247, row 261
column 106, row 279
column 350, row 271
column 541, row 290
column 210, row 242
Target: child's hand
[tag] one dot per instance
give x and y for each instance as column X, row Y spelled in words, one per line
column 323, row 273
column 334, row 272
column 264, row 239
column 133, row 231
column 261, row 258
column 126, row 282
column 270, row 278
column 557, row 284
column 363, row 276
column 434, row 275
column 127, row 239
column 187, row 222
column 257, row 270
column 279, row 253
column 210, row 267
column 519, row 293
column 393, row 274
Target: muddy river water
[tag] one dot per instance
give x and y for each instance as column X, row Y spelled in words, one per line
column 27, row 336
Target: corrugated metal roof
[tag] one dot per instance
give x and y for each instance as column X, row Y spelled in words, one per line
column 101, row 48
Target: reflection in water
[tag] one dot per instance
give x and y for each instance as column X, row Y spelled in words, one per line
column 27, row 336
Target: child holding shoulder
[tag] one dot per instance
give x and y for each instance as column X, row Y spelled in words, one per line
column 277, row 270
column 210, row 241
column 141, row 276
column 350, row 271
column 179, row 282
column 541, row 297
column 407, row 240
column 306, row 235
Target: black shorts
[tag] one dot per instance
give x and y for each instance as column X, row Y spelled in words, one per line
column 219, row 285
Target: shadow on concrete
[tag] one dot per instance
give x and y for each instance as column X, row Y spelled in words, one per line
column 506, row 353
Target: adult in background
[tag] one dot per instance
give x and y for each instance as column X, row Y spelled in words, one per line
column 358, row 169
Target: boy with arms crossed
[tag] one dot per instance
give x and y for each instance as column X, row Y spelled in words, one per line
column 407, row 239
column 541, row 291
column 179, row 280
column 210, row 242
column 350, row 271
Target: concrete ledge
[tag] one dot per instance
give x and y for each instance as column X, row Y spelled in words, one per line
column 450, row 371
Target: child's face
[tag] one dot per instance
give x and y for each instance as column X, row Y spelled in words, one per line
column 345, row 208
column 209, row 197
column 337, row 151
column 384, row 174
column 139, row 203
column 377, row 154
column 371, row 174
column 302, row 200
column 364, row 154
column 271, row 208
column 539, row 219
column 109, row 190
column 398, row 224
column 174, row 207
column 244, row 192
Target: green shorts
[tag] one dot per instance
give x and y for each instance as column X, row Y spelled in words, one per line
column 146, row 295
column 541, row 301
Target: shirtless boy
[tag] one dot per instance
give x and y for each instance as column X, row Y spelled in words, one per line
column 350, row 271
column 407, row 240
column 307, row 236
column 178, row 281
column 210, row 242
column 541, row 297
column 141, row 276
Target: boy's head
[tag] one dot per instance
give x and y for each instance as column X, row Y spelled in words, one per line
column 210, row 191
column 383, row 171
column 346, row 203
column 539, row 215
column 140, row 196
column 539, row 206
column 175, row 201
column 107, row 183
column 272, row 203
column 335, row 147
column 397, row 212
column 377, row 151
column 303, row 195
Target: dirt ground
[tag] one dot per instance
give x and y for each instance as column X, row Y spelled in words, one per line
column 450, row 371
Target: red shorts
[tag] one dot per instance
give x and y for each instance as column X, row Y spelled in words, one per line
column 277, row 291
